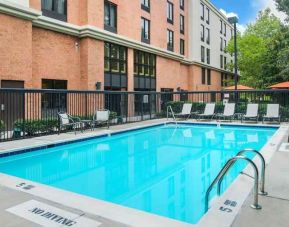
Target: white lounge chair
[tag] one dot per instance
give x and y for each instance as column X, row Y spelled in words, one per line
column 251, row 113
column 208, row 112
column 101, row 116
column 67, row 120
column 229, row 112
column 272, row 113
column 186, row 111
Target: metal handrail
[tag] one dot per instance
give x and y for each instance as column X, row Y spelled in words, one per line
column 169, row 109
column 225, row 169
column 263, row 166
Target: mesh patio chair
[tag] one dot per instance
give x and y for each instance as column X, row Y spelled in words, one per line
column 251, row 113
column 100, row 117
column 272, row 113
column 229, row 112
column 208, row 112
column 67, row 120
column 186, row 111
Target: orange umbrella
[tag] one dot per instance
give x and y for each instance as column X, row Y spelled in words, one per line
column 239, row 87
column 284, row 85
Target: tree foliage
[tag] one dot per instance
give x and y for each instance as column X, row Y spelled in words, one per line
column 263, row 51
column 283, row 5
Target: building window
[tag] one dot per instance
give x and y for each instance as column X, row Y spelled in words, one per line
column 56, row 9
column 170, row 12
column 203, row 76
column 115, row 66
column 208, row 76
column 202, row 32
column 221, row 29
column 182, row 24
column 208, row 56
column 225, row 62
column 221, row 44
column 182, row 4
column 51, row 103
column 208, row 16
column 225, row 29
column 202, row 11
column 144, row 71
column 145, row 5
column 225, row 44
column 221, row 61
column 182, row 47
column 170, row 40
column 202, row 54
column 208, row 40
column 145, row 30
column 110, row 16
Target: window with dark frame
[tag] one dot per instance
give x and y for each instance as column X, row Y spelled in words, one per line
column 225, row 29
column 170, row 12
column 202, row 11
column 182, row 24
column 182, row 47
column 51, row 103
column 115, row 66
column 110, row 16
column 202, row 33
column 56, row 9
column 145, row 30
column 182, row 4
column 170, row 40
column 221, row 29
column 203, row 76
column 144, row 70
column 225, row 44
column 208, row 16
column 208, row 40
column 225, row 62
column 202, row 54
column 208, row 56
column 221, row 44
column 145, row 5
column 209, row 77
column 221, row 61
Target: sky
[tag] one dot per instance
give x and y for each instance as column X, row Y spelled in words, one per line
column 247, row 10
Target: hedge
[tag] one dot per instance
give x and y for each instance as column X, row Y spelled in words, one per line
column 2, row 126
column 33, row 127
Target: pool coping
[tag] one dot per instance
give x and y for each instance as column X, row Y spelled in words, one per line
column 134, row 217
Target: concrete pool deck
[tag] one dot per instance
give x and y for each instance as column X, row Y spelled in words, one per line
column 275, row 205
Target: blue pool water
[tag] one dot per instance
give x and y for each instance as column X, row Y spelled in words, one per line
column 162, row 170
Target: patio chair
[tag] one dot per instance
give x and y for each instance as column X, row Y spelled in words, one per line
column 251, row 113
column 67, row 120
column 229, row 112
column 101, row 116
column 272, row 113
column 186, row 111
column 208, row 112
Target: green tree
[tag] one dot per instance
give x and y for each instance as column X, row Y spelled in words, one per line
column 258, row 50
column 283, row 5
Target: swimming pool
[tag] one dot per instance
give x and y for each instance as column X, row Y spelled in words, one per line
column 164, row 170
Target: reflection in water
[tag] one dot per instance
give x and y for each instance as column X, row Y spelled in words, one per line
column 164, row 170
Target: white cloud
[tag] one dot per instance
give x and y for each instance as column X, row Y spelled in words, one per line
column 241, row 27
column 263, row 4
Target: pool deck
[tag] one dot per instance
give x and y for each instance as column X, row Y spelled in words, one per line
column 275, row 205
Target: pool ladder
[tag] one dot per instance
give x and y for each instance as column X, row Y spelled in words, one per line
column 229, row 164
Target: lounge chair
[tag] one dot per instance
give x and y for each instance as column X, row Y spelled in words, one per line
column 186, row 111
column 251, row 113
column 101, row 116
column 208, row 112
column 272, row 113
column 67, row 120
column 229, row 112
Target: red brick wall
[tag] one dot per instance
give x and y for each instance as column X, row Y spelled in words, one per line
column 15, row 49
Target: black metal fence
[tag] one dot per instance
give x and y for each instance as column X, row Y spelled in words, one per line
column 27, row 113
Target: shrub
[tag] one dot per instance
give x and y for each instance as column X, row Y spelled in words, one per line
column 2, row 126
column 33, row 127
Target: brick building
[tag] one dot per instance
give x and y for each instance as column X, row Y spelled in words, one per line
column 119, row 45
